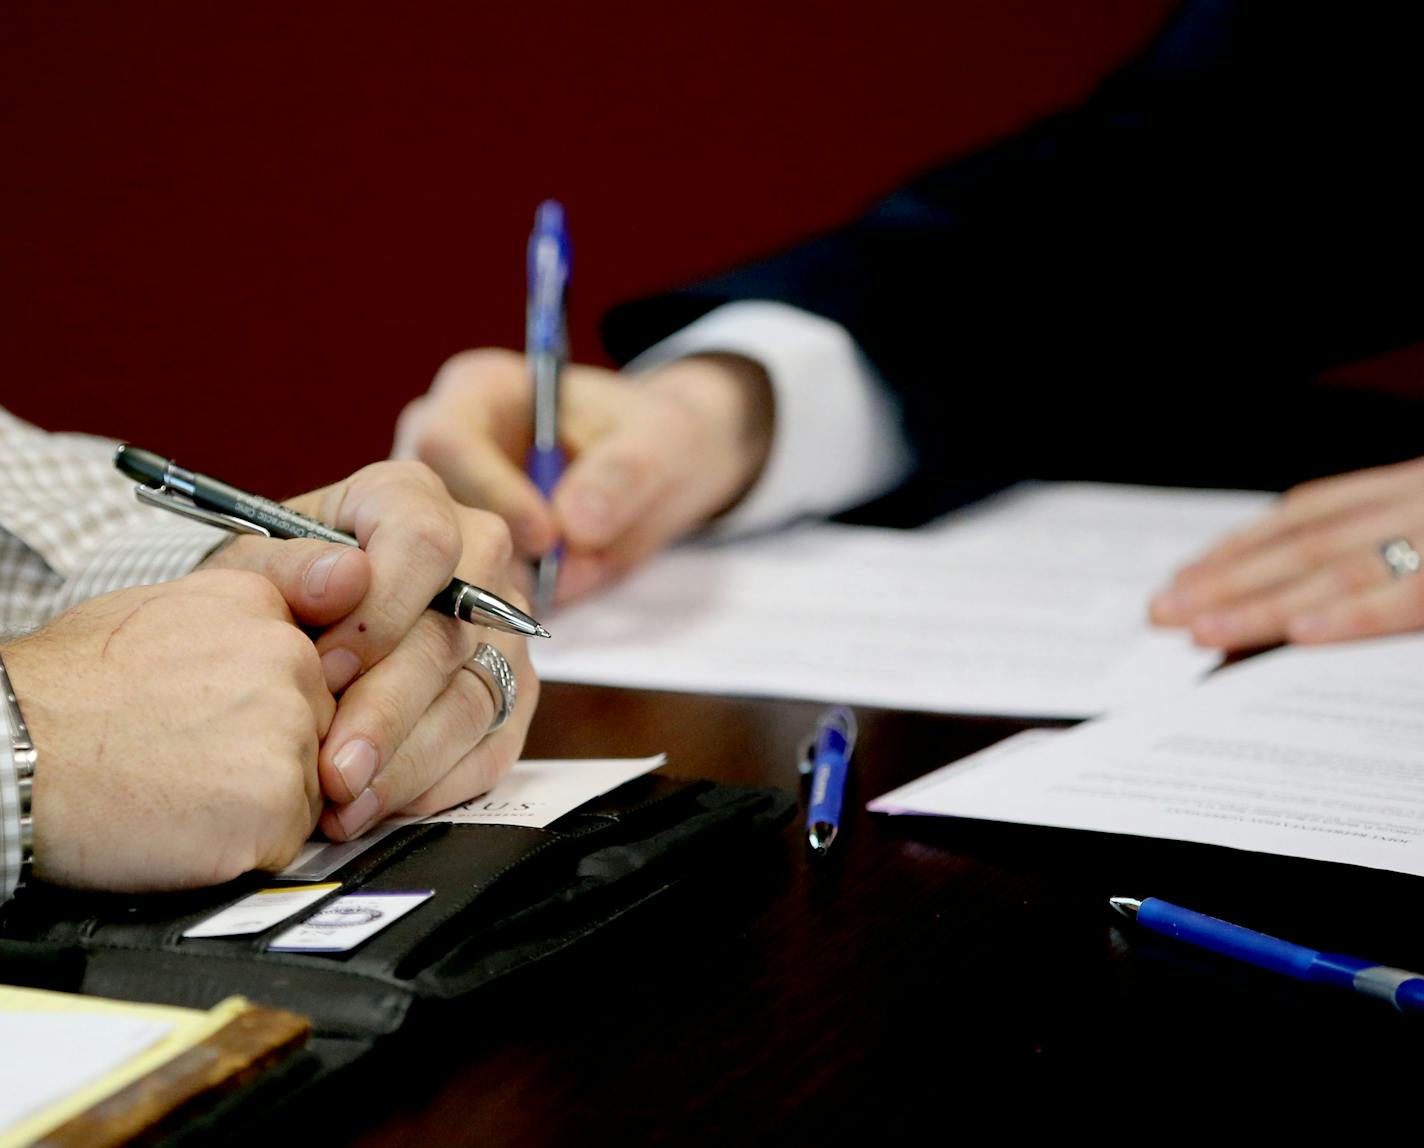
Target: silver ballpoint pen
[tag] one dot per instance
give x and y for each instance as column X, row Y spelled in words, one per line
column 168, row 486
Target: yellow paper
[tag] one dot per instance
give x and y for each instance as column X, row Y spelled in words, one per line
column 190, row 1027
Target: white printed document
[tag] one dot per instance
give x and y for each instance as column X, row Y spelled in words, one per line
column 1311, row 752
column 1033, row 603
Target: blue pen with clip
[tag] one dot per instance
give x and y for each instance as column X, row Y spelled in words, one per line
column 1403, row 989
column 546, row 347
column 830, row 764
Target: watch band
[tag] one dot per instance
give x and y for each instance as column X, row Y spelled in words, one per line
column 22, row 752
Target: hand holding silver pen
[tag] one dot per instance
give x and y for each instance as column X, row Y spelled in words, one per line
column 165, row 484
column 419, row 692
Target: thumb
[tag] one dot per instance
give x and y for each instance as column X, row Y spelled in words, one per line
column 322, row 582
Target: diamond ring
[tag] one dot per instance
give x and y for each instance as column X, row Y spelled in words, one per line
column 1401, row 558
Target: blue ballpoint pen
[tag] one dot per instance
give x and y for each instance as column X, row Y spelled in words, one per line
column 546, row 349
column 835, row 740
column 1403, row 989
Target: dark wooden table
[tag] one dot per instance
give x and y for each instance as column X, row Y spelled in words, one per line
column 789, row 1000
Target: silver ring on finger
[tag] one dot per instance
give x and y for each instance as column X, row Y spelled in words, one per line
column 1400, row 557
column 490, row 666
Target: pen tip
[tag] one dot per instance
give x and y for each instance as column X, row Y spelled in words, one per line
column 1127, row 906
column 540, row 632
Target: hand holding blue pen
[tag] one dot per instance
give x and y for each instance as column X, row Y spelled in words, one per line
column 835, row 741
column 1403, row 989
column 546, row 350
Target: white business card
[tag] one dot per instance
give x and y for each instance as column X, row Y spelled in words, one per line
column 260, row 910
column 535, row 793
column 348, row 921
column 319, row 859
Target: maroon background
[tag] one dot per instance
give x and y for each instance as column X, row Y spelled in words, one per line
column 247, row 233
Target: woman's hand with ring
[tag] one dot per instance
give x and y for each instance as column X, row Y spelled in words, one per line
column 1312, row 570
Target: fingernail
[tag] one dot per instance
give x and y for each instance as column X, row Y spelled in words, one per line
column 356, row 761
column 320, row 573
column 1307, row 628
column 360, row 813
column 340, row 667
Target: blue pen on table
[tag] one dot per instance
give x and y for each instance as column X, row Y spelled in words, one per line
column 1403, row 989
column 546, row 347
column 830, row 758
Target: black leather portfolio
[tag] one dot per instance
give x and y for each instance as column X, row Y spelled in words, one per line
column 505, row 898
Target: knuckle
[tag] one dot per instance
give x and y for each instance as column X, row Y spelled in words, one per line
column 1267, row 617
column 420, row 474
column 291, row 716
column 488, row 542
column 1303, row 493
column 383, row 720
column 411, row 415
column 1359, row 573
column 434, row 539
column 390, row 471
column 244, row 585
column 411, row 425
column 232, row 859
column 293, row 653
column 282, row 805
column 383, row 623
column 291, row 826
column 637, row 462
column 398, row 474
column 441, row 644
column 1313, row 547
column 291, row 798
column 282, row 852
column 473, row 367
column 439, row 446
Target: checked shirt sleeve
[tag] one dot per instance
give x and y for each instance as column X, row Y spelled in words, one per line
column 71, row 529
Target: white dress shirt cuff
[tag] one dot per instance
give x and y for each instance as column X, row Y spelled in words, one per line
column 836, row 440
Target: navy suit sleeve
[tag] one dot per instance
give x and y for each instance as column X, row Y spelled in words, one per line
column 1142, row 287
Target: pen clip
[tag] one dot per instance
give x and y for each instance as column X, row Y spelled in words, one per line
column 165, row 499
column 837, row 717
column 844, row 717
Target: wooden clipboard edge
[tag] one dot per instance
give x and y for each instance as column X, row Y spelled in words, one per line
column 244, row 1047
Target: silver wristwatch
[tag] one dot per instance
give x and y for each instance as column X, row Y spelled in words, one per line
column 22, row 751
